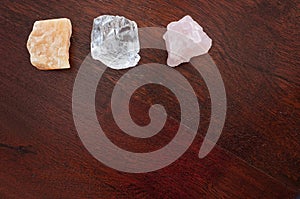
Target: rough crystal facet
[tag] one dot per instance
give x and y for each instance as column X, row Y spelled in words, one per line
column 115, row 41
column 185, row 39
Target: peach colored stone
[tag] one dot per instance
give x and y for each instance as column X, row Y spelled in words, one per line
column 49, row 42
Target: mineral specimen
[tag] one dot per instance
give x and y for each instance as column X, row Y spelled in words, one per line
column 115, row 42
column 185, row 39
column 49, row 42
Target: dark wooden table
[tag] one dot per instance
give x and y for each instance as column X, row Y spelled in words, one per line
column 256, row 48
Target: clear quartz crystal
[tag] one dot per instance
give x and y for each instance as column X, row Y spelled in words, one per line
column 115, row 41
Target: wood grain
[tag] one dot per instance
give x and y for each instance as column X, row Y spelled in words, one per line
column 256, row 48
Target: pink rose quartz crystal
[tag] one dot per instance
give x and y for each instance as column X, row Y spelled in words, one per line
column 185, row 39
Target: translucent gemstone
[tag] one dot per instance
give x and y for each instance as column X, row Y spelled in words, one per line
column 49, row 42
column 115, row 41
column 185, row 39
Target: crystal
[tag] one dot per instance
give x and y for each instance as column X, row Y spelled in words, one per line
column 48, row 44
column 185, row 39
column 115, row 41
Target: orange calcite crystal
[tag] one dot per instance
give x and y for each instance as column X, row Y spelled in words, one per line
column 49, row 42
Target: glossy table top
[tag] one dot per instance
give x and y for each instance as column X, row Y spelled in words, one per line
column 256, row 52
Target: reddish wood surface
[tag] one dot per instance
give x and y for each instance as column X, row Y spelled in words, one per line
column 256, row 48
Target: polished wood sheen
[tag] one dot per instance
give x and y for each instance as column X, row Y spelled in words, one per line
column 256, row 49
